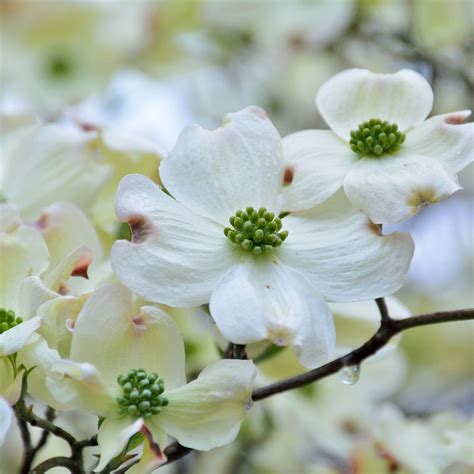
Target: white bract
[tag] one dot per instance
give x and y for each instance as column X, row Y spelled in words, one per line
column 11, row 444
column 111, row 342
column 389, row 159
column 264, row 277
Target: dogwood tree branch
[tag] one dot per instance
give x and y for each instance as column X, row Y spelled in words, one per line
column 382, row 305
column 388, row 328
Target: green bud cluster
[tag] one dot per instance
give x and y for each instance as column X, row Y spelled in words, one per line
column 256, row 231
column 142, row 394
column 8, row 320
column 376, row 138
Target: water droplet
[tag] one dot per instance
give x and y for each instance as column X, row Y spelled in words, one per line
column 350, row 374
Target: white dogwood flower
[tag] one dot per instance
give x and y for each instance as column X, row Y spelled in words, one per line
column 219, row 239
column 389, row 159
column 128, row 366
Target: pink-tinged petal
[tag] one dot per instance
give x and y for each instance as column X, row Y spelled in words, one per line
column 354, row 96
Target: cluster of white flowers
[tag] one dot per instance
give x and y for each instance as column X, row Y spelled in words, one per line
column 265, row 231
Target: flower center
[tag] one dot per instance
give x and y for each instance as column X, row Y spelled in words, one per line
column 59, row 67
column 142, row 394
column 256, row 231
column 376, row 138
column 8, row 320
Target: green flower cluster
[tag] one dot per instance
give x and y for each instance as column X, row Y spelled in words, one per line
column 256, row 231
column 142, row 393
column 8, row 320
column 376, row 138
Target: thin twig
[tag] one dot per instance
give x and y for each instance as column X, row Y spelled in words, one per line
column 58, row 461
column 30, row 454
column 235, row 351
column 386, row 331
column 26, row 414
column 382, row 305
column 175, row 451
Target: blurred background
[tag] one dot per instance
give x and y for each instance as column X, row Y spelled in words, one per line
column 148, row 68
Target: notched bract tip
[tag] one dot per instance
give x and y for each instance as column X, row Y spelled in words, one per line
column 141, row 228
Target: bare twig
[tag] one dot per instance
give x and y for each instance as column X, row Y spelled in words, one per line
column 176, row 451
column 382, row 305
column 26, row 414
column 58, row 461
column 387, row 330
column 235, row 351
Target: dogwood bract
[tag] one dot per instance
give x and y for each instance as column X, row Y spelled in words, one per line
column 219, row 240
column 128, row 366
column 23, row 252
column 389, row 159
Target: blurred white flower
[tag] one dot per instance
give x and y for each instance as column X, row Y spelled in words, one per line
column 277, row 24
column 46, row 163
column 426, row 446
column 443, row 27
column 55, row 54
column 260, row 284
column 136, row 113
column 390, row 161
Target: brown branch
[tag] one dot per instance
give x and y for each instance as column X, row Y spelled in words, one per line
column 30, row 454
column 26, row 414
column 55, row 462
column 176, row 451
column 382, row 305
column 388, row 329
column 235, row 351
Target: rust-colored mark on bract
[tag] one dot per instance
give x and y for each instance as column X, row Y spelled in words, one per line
column 63, row 288
column 455, row 119
column 393, row 465
column 374, row 228
column 141, row 228
column 42, row 223
column 288, row 175
column 421, row 198
column 159, row 457
column 82, row 268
